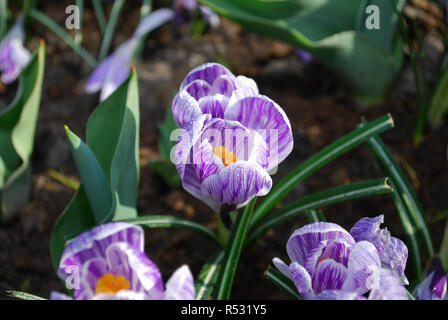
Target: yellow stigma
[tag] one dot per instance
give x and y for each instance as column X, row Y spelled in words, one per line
column 225, row 155
column 109, row 283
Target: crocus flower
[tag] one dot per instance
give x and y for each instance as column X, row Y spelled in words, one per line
column 434, row 286
column 114, row 69
column 108, row 263
column 328, row 263
column 13, row 55
column 304, row 55
column 232, row 137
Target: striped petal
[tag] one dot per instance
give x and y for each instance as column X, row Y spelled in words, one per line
column 181, row 285
column 434, row 286
column 282, row 267
column 185, row 109
column 207, row 72
column 94, row 243
column 390, row 287
column 302, row 280
column 265, row 116
column 339, row 295
column 393, row 252
column 329, row 275
column 363, row 268
column 305, row 239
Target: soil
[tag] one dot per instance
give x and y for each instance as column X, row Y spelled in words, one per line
column 318, row 104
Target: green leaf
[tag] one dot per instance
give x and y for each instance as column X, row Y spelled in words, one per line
column 23, row 295
column 17, row 128
column 317, row 161
column 282, row 282
column 439, row 101
column 315, row 216
column 109, row 33
column 320, row 199
column 390, row 167
column 100, row 15
column 333, row 31
column 208, row 276
column 444, row 248
column 94, row 180
column 112, row 156
column 233, row 252
column 172, row 222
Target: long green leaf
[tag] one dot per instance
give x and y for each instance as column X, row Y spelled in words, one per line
column 100, row 15
column 282, row 282
column 17, row 128
column 233, row 252
column 172, row 222
column 208, row 276
column 3, row 17
column 320, row 199
column 391, row 169
column 317, row 161
column 444, row 248
column 53, row 26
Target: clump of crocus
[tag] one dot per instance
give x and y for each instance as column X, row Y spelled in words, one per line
column 232, row 138
column 434, row 286
column 327, row 262
column 108, row 263
column 13, row 55
column 114, row 69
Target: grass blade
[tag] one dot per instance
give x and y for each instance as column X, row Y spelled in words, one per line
column 3, row 17
column 100, row 15
column 320, row 199
column 315, row 216
column 208, row 276
column 390, row 167
column 23, row 295
column 233, row 251
column 317, row 161
column 172, row 222
column 282, row 282
column 109, row 33
column 53, row 26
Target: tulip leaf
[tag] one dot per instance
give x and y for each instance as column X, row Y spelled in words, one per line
column 108, row 165
column 208, row 276
column 334, row 32
column 17, row 128
column 317, row 161
column 153, row 221
column 282, row 282
column 318, row 200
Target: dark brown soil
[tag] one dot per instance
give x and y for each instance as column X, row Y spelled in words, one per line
column 317, row 103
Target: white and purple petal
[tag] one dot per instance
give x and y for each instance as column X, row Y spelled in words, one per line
column 363, row 268
column 94, row 243
column 434, row 286
column 153, row 20
column 181, row 285
column 329, row 275
column 268, row 118
column 185, row 109
column 302, row 280
column 304, row 239
column 390, row 287
column 282, row 267
column 207, row 72
column 339, row 295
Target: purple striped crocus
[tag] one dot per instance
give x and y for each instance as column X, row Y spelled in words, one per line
column 114, row 69
column 434, row 286
column 327, row 262
column 108, row 263
column 13, row 55
column 232, row 137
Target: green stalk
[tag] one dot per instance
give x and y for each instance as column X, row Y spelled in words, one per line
column 320, row 199
column 282, row 282
column 53, row 26
column 233, row 252
column 3, row 18
column 109, row 33
column 317, row 161
column 78, row 35
column 206, row 281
